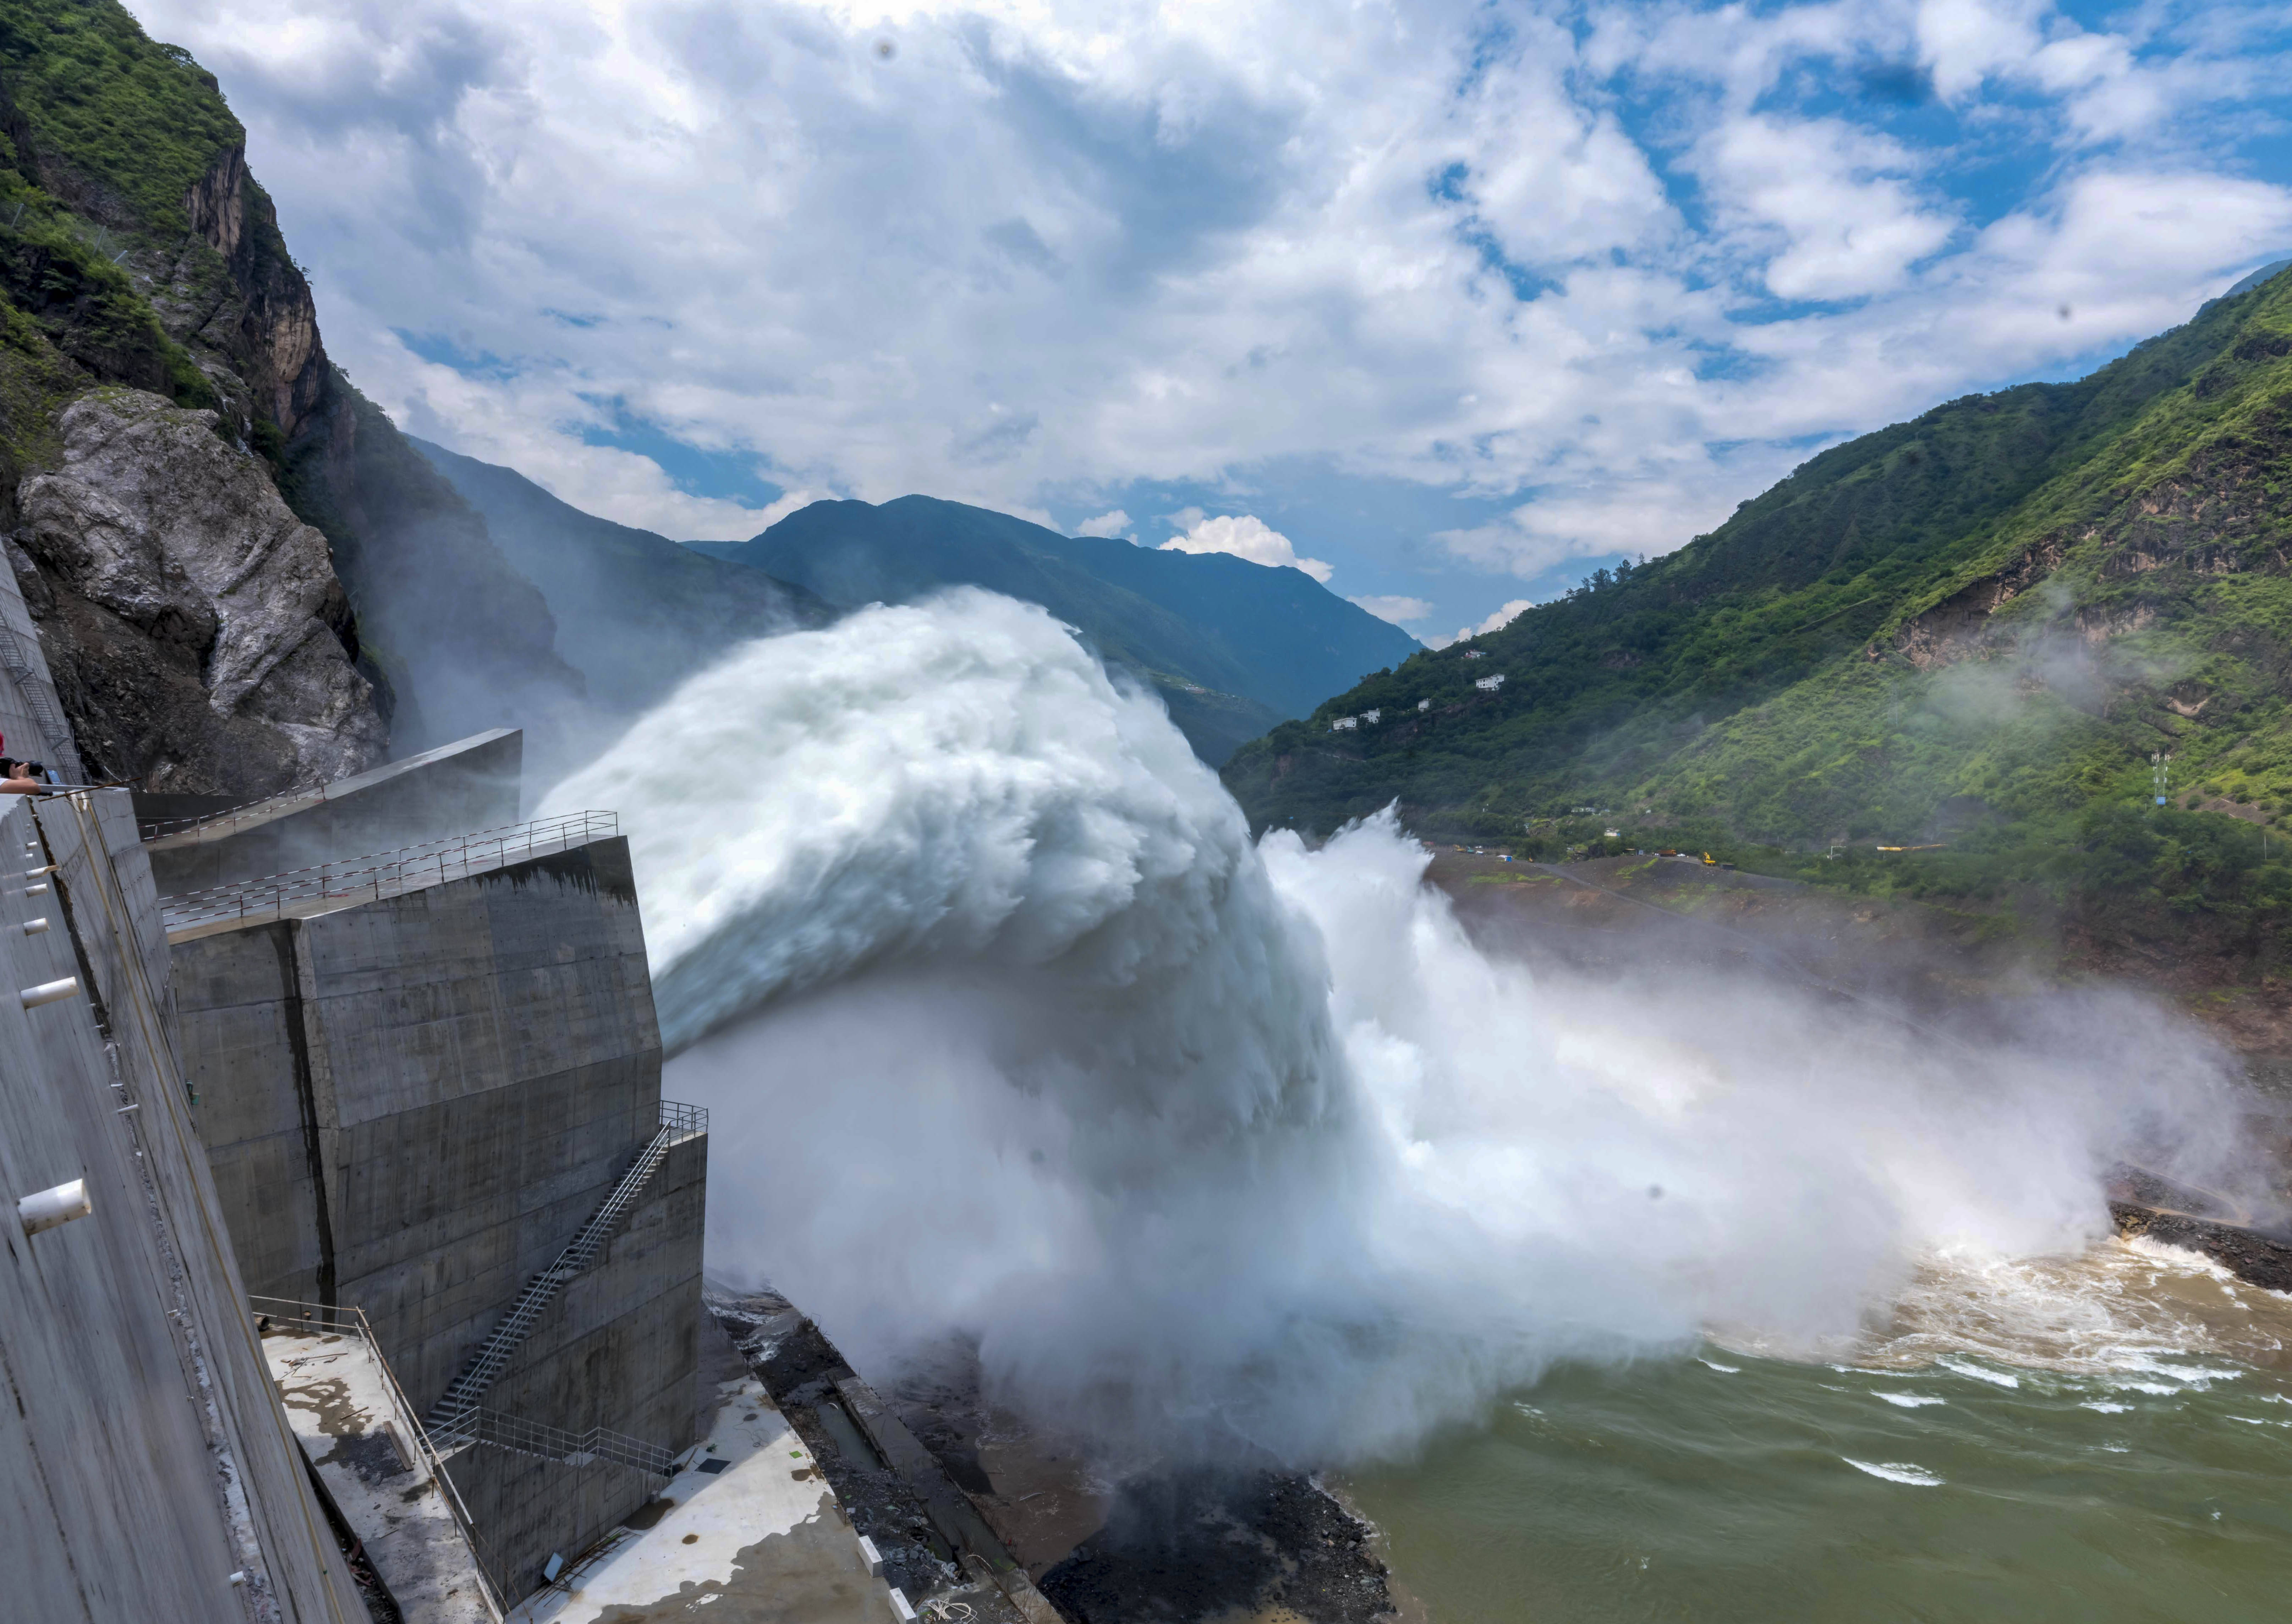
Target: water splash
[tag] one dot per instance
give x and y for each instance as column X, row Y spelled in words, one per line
column 1008, row 1029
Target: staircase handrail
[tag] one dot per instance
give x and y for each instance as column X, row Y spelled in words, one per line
column 544, row 1442
column 676, row 1124
column 353, row 1322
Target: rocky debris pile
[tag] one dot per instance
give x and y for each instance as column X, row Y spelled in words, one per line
column 1201, row 1544
column 1174, row 1546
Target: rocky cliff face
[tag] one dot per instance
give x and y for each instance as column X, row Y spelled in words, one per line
column 207, row 636
column 198, row 636
column 259, row 316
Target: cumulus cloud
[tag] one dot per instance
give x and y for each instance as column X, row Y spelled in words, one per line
column 1114, row 523
column 1619, row 265
column 1835, row 205
column 1650, row 517
column 1496, row 621
column 1400, row 611
column 1244, row 536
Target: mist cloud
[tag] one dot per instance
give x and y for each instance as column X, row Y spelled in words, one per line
column 1010, row 1032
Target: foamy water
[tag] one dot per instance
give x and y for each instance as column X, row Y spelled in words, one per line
column 1009, row 1028
column 2131, row 1310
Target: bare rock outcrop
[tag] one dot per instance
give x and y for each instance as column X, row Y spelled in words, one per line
column 261, row 318
column 198, row 630
column 1961, row 625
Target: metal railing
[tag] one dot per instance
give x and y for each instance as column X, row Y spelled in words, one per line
column 380, row 874
column 544, row 1442
column 450, row 1416
column 353, row 1322
column 683, row 1122
column 148, row 830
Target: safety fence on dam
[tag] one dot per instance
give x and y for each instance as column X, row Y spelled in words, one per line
column 229, row 819
column 376, row 875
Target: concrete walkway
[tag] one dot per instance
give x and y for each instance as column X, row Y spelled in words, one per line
column 345, row 1411
column 757, row 1539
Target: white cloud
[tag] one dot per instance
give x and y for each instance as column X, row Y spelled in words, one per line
column 1618, row 267
column 1500, row 618
column 1648, row 518
column 1496, row 621
column 1398, row 609
column 1114, row 523
column 1832, row 201
column 1244, row 536
column 1964, row 41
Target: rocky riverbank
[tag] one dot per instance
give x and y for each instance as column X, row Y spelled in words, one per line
column 1009, row 1518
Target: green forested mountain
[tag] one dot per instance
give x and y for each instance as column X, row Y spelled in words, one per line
column 1970, row 631
column 636, row 612
column 1232, row 647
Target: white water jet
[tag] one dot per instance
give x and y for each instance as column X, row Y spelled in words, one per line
column 1008, row 1029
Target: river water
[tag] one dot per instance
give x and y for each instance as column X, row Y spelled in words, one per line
column 2102, row 1437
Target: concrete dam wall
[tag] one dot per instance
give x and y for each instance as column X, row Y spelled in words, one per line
column 363, row 1077
column 411, row 1103
column 149, row 1469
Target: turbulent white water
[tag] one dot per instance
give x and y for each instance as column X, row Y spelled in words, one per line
column 1008, row 1028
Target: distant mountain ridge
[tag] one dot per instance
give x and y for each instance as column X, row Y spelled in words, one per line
column 1232, row 647
column 636, row 613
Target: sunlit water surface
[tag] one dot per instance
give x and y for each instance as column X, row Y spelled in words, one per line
column 2103, row 1437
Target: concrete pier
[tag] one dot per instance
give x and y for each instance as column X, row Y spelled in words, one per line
column 751, row 1531
column 411, row 1105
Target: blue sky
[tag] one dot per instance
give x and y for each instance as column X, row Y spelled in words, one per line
column 1455, row 302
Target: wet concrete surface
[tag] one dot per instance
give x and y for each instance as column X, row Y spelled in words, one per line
column 748, row 1533
column 803, row 1575
column 1039, row 1491
column 912, row 1512
column 343, row 1410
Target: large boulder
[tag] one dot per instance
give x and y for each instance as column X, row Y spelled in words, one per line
column 199, row 638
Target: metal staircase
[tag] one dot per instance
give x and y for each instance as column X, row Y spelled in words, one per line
column 17, row 658
column 454, row 1419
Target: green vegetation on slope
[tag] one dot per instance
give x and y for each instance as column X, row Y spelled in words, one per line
column 104, row 134
column 1970, row 631
column 139, row 120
